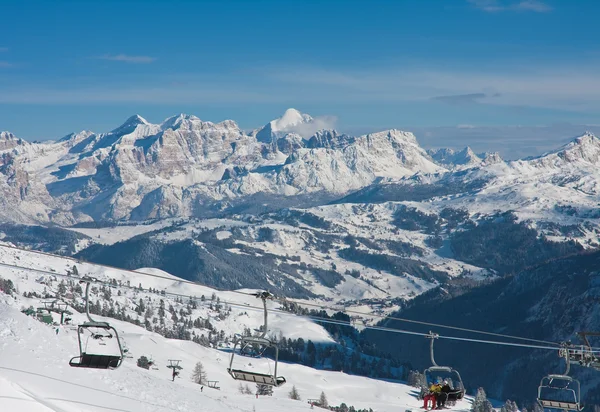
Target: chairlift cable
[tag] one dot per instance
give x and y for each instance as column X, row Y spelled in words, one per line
column 437, row 325
column 383, row 317
column 302, row 303
column 311, row 317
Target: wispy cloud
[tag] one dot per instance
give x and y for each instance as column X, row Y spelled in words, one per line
column 127, row 58
column 461, row 98
column 493, row 6
column 4, row 64
column 3, row 49
column 533, row 5
column 574, row 88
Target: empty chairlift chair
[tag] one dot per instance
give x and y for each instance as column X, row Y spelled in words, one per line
column 560, row 391
column 256, row 346
column 99, row 344
column 439, row 373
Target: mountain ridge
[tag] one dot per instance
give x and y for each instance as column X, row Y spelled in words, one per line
column 187, row 167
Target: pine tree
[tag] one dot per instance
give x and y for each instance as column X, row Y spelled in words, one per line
column 481, row 403
column 199, row 374
column 323, row 400
column 142, row 362
column 264, row 390
column 294, row 394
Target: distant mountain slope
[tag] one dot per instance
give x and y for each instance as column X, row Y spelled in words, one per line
column 551, row 302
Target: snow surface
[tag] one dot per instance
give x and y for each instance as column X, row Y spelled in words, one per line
column 35, row 375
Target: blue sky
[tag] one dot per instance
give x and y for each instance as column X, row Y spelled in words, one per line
column 66, row 66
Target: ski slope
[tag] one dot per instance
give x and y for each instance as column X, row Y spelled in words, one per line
column 35, row 376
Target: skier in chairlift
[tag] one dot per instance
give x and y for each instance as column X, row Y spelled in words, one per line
column 442, row 396
column 432, row 395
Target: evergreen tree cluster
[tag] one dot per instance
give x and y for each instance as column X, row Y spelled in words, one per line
column 481, row 403
column 503, row 244
column 143, row 362
column 7, row 286
column 510, row 406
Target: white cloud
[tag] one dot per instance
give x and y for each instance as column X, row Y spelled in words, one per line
column 4, row 64
column 533, row 5
column 3, row 49
column 493, row 6
column 487, row 5
column 127, row 58
column 307, row 130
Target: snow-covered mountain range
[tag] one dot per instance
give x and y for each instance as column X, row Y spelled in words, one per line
column 186, row 167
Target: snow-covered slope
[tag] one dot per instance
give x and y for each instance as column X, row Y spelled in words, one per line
column 35, row 375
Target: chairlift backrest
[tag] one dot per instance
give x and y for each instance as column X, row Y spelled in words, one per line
column 560, row 392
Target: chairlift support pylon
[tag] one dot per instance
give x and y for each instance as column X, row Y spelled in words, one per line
column 260, row 341
column 458, row 390
column 563, row 384
column 58, row 306
column 89, row 360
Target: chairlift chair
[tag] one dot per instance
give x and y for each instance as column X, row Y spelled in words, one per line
column 560, row 391
column 444, row 372
column 260, row 341
column 97, row 331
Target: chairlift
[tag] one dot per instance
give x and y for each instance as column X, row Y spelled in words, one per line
column 97, row 334
column 439, row 373
column 174, row 364
column 259, row 344
column 583, row 355
column 560, row 391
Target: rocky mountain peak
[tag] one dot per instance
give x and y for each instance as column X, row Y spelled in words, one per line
column 8, row 141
